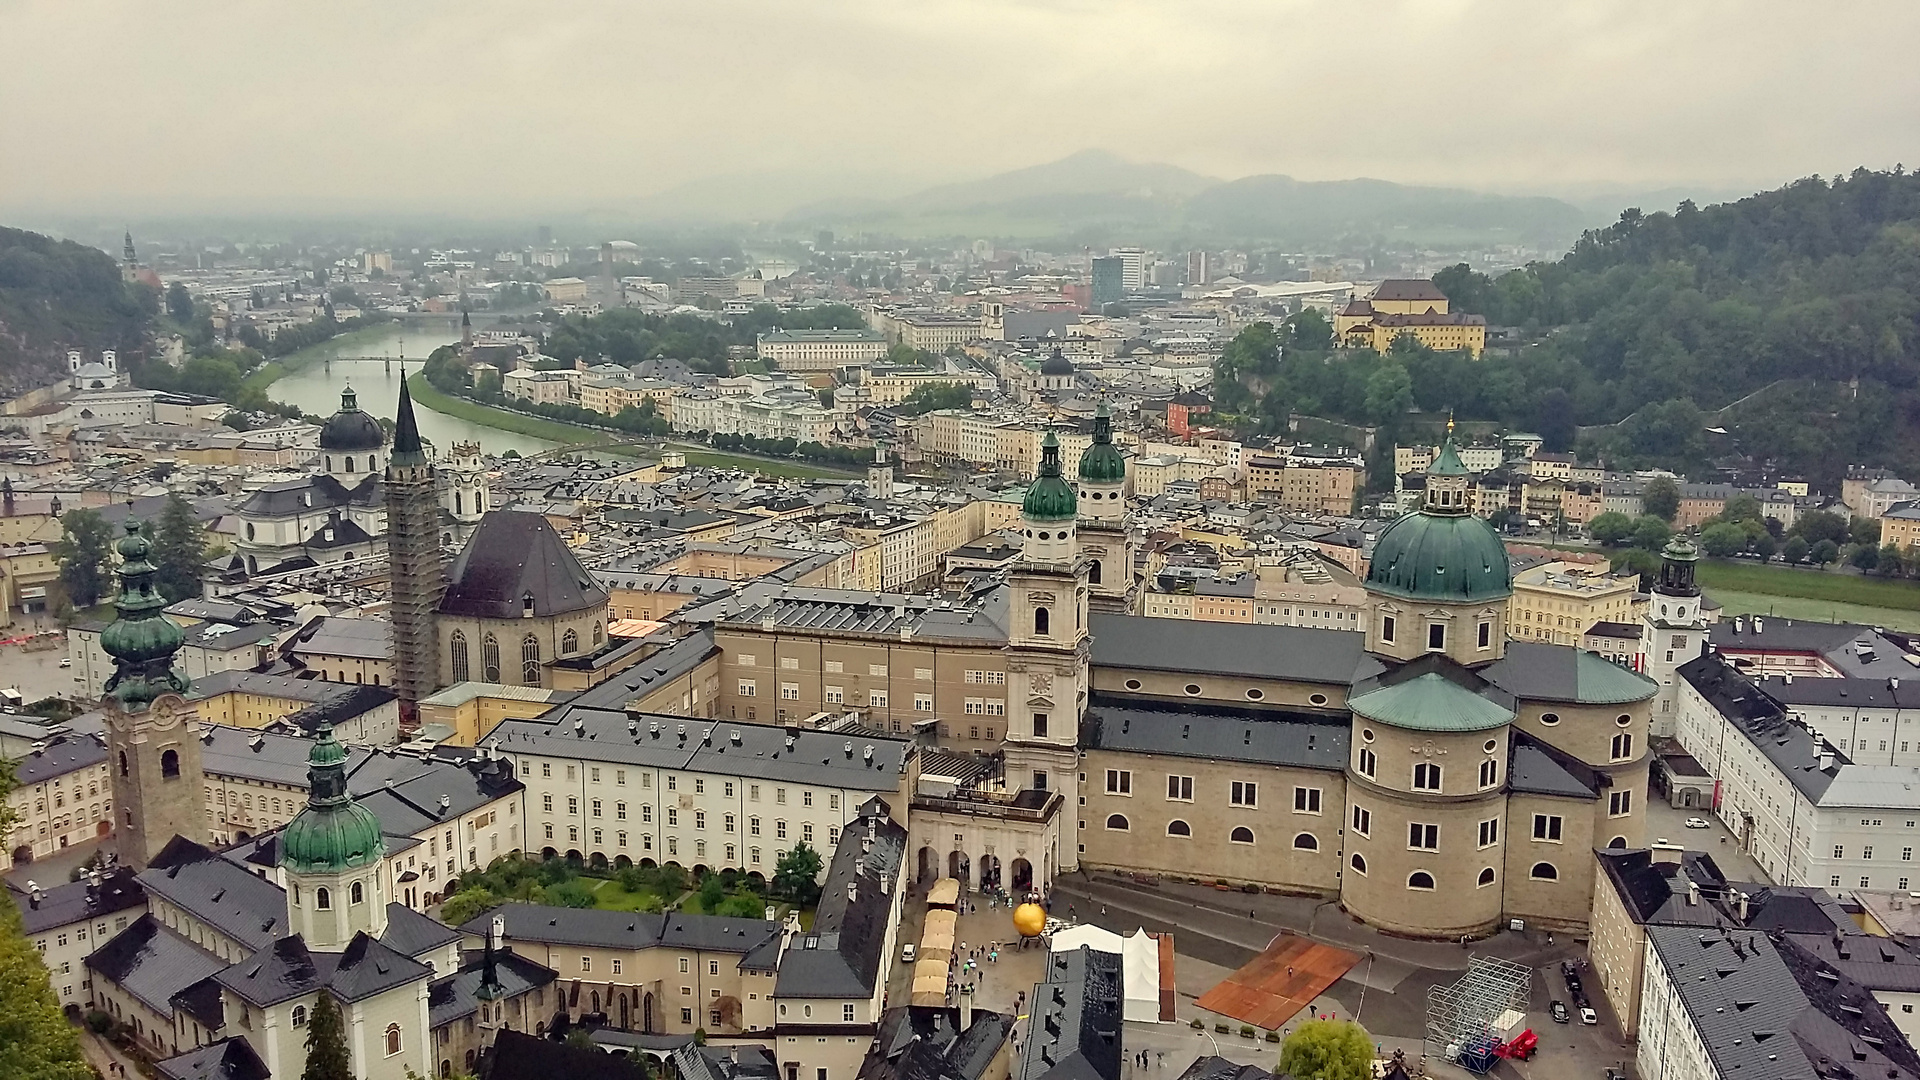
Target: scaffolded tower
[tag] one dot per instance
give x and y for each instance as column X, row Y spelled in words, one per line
column 1465, row 1011
column 413, row 561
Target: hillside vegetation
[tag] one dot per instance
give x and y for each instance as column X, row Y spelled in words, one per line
column 56, row 295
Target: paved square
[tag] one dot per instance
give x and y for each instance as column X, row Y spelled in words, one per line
column 1275, row 985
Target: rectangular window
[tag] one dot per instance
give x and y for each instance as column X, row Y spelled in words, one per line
column 846, row 1013
column 790, row 691
column 834, row 667
column 1489, row 773
column 789, row 663
column 1119, row 782
column 1546, row 827
column 836, row 695
column 593, row 776
column 1490, row 832
column 1623, row 746
column 1486, row 635
column 1426, row 777
column 1436, row 635
column 1839, row 851
column 779, row 829
column 877, row 699
column 746, row 687
column 923, row 703
column 1362, row 820
column 1386, row 628
column 620, row 777
column 1423, row 837
column 1039, row 725
column 1245, row 793
column 923, row 674
column 1368, row 763
column 586, row 963
column 616, row 967
column 1619, row 803
column 1306, row 800
column 596, row 808
column 1180, row 788
column 878, row 671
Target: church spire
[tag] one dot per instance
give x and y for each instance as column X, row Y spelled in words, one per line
column 142, row 641
column 406, row 431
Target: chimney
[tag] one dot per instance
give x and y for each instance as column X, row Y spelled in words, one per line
column 1666, row 854
column 1693, row 893
column 446, row 802
column 853, row 891
column 1826, row 759
column 966, row 1009
column 1740, row 907
column 1757, row 628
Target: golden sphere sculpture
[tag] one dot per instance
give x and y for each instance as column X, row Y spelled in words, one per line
column 1030, row 920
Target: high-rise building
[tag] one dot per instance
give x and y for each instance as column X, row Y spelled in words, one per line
column 1109, row 281
column 1133, row 262
column 1197, row 270
column 413, row 561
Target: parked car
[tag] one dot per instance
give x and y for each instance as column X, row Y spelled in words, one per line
column 907, row 953
column 1558, row 1010
column 1587, row 1015
column 67, row 662
column 1696, row 823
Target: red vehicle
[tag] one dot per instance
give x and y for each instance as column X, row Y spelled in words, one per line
column 1522, row 1047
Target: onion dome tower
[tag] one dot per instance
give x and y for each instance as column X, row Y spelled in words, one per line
column 1439, row 579
column 154, row 758
column 1103, row 517
column 1048, row 511
column 352, row 442
column 1047, row 641
column 331, row 853
column 1674, row 630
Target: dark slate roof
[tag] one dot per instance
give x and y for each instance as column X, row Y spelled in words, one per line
column 1791, row 748
column 275, row 759
column 292, row 498
column 841, row 956
column 410, row 933
column 1220, row 733
column 62, row 755
column 78, row 901
column 231, row 1058
column 1537, row 671
column 512, row 556
column 345, row 533
column 1219, row 1068
column 1844, row 693
column 203, row 1002
column 920, row 1042
column 370, row 639
column 1298, row 653
column 457, row 995
column 519, row 1056
column 741, row 1061
column 152, row 963
column 218, row 892
column 625, row 929
column 1540, row 768
column 287, row 969
column 1074, row 1024
column 1404, row 289
column 353, row 701
column 1656, row 893
column 1877, row 963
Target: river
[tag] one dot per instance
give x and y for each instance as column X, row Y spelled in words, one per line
column 316, row 387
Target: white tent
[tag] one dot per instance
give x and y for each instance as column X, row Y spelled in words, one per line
column 1139, row 965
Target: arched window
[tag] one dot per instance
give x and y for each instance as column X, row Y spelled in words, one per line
column 296, row 893
column 393, row 1039
column 249, row 530
column 1093, row 572
column 459, row 502
column 1306, row 841
column 1618, row 843
column 569, row 643
column 299, row 1016
column 460, row 671
column 1486, row 876
column 359, row 894
column 599, row 635
column 490, row 658
column 1241, row 835
column 349, row 462
column 323, row 898
column 123, row 763
column 1041, row 622
column 329, row 462
column 170, row 764
column 1545, row 871
column 1420, row 879
column 1176, row 827
column 530, row 660
column 1359, row 863
column 1118, row 822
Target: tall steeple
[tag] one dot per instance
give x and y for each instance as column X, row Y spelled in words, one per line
column 154, row 758
column 417, row 579
column 126, row 250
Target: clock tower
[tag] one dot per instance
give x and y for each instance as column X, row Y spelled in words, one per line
column 153, row 754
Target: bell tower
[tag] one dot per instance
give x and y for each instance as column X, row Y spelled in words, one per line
column 1102, row 492
column 331, row 853
column 153, row 755
column 1048, row 645
column 417, row 579
column 1675, row 630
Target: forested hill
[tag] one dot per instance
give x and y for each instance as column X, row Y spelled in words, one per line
column 1665, row 319
column 56, row 295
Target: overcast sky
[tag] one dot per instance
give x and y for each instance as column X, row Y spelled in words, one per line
column 142, row 108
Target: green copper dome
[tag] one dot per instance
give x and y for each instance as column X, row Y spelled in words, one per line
column 1049, row 498
column 333, row 833
column 142, row 641
column 1444, row 557
column 1102, row 462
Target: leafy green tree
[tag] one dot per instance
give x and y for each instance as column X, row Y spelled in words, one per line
column 1327, row 1050
column 326, row 1043
column 1650, row 533
column 1824, row 552
column 1795, row 550
column 83, row 551
column 1610, row 528
column 1818, row 525
column 1637, row 560
column 1389, row 392
column 1661, row 498
column 1761, row 542
column 179, row 550
column 1742, row 508
column 926, row 399
column 179, row 303
column 574, row 894
column 465, row 904
column 1890, row 562
column 1865, row 558
column 1864, row 531
column 794, row 876
column 1722, row 539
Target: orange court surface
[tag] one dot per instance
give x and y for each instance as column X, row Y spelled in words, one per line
column 1278, row 983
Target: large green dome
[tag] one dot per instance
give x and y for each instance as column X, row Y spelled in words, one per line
column 1049, row 498
column 142, row 641
column 333, row 833
column 1102, row 462
column 1442, row 557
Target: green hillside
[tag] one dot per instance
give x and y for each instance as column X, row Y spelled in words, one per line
column 56, row 295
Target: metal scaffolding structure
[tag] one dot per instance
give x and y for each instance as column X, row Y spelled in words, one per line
column 1466, row 1009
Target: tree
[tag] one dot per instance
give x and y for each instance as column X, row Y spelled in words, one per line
column 1389, row 392
column 1818, row 525
column 1824, row 552
column 1761, row 543
column 796, row 874
column 1722, row 539
column 1864, row 531
column 1890, row 559
column 1742, row 508
column 1661, row 498
column 1328, row 1050
column 179, row 550
column 326, row 1043
column 926, row 399
column 1865, row 558
column 464, row 905
column 1650, row 532
column 1610, row 528
column 179, row 303
column 82, row 551
column 1795, row 551
column 36, row 1042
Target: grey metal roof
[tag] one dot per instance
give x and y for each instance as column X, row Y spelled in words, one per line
column 1225, row 734
column 78, row 901
column 335, row 635
column 1074, row 1030
column 1537, row 768
column 841, row 956
column 231, row 1058
column 624, row 929
column 218, row 892
column 1789, row 745
column 457, row 995
column 410, row 933
column 62, row 754
column 855, row 612
column 1844, row 693
column 1537, row 671
column 513, row 557
column 1298, row 653
column 1858, row 651
column 1877, row 963
column 152, row 963
column 924, row 1042
column 736, row 1062
column 1657, row 892
column 287, row 969
column 261, row 756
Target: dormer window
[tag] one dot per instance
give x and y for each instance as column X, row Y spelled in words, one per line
column 526, row 606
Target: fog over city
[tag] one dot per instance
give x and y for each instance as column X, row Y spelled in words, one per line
column 744, row 109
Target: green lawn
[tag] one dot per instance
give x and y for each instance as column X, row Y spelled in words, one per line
column 1828, row 587
column 609, row 896
column 1791, row 607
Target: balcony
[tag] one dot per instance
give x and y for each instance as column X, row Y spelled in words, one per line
column 1037, row 807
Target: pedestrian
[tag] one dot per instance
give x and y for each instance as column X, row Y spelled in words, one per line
column 1103, row 911
column 1289, row 972
column 1162, row 1063
column 1250, row 913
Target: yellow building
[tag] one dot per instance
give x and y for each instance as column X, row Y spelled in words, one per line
column 1901, row 526
column 470, row 710
column 1409, row 306
column 1557, row 602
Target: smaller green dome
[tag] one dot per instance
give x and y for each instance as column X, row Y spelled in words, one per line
column 333, row 833
column 1102, row 462
column 142, row 641
column 1049, row 498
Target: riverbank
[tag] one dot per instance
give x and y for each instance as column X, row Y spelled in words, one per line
column 266, row 374
column 428, row 396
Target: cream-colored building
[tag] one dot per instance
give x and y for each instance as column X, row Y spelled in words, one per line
column 62, row 797
column 1559, row 602
column 821, row 350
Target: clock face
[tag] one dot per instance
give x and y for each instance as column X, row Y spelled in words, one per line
column 167, row 710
